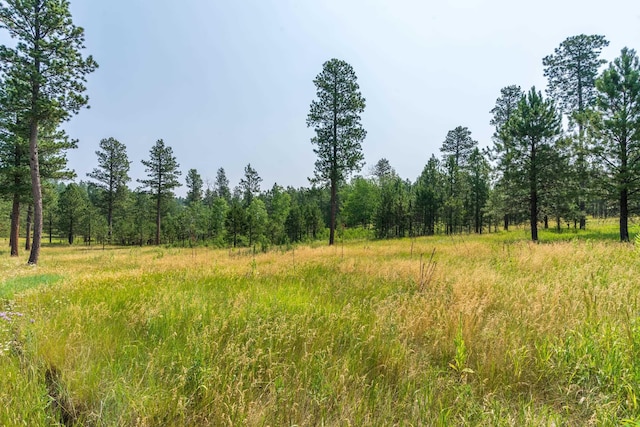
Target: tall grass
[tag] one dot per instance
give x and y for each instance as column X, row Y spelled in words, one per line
column 462, row 330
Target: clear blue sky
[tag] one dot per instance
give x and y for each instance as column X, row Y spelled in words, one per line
column 229, row 82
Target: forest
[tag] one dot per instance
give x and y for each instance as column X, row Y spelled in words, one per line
column 555, row 159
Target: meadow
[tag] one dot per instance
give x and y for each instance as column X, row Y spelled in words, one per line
column 436, row 331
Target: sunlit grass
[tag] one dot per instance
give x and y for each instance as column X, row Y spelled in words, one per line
column 463, row 330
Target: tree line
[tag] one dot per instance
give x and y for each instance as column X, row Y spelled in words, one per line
column 553, row 159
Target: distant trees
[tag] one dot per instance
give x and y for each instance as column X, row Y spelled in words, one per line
column 45, row 72
column 72, row 205
column 112, row 175
column 429, row 193
column 533, row 172
column 222, row 185
column 162, row 171
column 456, row 151
column 250, row 184
column 618, row 125
column 194, row 187
column 507, row 199
column 360, row 202
column 335, row 117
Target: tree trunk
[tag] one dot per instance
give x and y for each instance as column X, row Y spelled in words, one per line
column 15, row 225
column 624, row 215
column 70, row 237
column 533, row 185
column 110, row 220
column 546, row 222
column 36, row 189
column 534, row 216
column 27, row 244
column 334, row 211
column 158, row 220
column 583, row 218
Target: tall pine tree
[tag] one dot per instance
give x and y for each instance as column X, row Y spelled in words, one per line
column 162, row 171
column 335, row 118
column 45, row 74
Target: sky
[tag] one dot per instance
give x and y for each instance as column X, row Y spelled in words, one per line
column 226, row 83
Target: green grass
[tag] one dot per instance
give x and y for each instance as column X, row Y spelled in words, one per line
column 10, row 287
column 491, row 330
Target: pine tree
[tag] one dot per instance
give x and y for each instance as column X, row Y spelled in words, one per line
column 44, row 75
column 222, row 185
column 194, row 185
column 502, row 151
column 250, row 185
column 112, row 175
column 572, row 71
column 618, row 125
column 533, row 128
column 163, row 173
column 335, row 117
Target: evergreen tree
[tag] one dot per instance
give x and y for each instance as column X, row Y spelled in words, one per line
column 478, row 187
column 72, row 205
column 162, row 171
column 571, row 72
column 256, row 221
column 217, row 215
column 278, row 204
column 506, row 198
column 383, row 170
column 533, row 128
column 222, row 185
column 250, row 184
column 194, row 186
column 15, row 179
column 618, row 105
column 235, row 222
column 112, row 175
column 45, row 74
column 429, row 197
column 335, row 117
column 456, row 149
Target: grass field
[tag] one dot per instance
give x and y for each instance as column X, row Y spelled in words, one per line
column 466, row 330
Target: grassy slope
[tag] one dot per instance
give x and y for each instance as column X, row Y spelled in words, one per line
column 492, row 331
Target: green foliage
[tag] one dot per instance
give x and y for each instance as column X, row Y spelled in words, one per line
column 618, row 125
column 533, row 128
column 194, row 185
column 162, row 171
column 256, row 221
column 429, row 190
column 112, row 175
column 278, row 204
column 250, row 185
column 572, row 71
column 457, row 149
column 72, row 207
column 222, row 185
column 361, row 198
column 44, row 75
column 393, row 213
